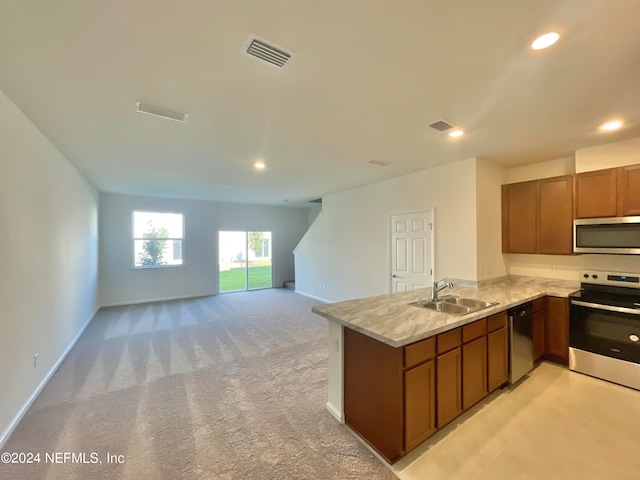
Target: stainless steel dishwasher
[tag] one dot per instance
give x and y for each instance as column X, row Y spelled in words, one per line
column 520, row 341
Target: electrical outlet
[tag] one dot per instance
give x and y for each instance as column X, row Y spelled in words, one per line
column 35, row 360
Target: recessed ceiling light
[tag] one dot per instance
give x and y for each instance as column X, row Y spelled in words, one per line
column 456, row 133
column 610, row 126
column 545, row 41
column 259, row 165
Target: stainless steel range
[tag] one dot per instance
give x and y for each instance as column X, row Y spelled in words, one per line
column 604, row 331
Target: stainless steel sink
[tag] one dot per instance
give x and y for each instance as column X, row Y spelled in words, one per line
column 454, row 305
column 446, row 307
column 468, row 302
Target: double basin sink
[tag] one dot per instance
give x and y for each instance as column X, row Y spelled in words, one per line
column 455, row 305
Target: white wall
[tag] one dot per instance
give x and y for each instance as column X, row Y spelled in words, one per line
column 312, row 213
column 489, row 179
column 611, row 155
column 48, row 264
column 551, row 168
column 346, row 254
column 120, row 283
column 568, row 267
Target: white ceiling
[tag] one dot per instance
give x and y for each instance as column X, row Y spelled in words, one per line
column 366, row 79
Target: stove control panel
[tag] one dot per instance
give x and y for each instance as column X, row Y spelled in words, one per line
column 614, row 279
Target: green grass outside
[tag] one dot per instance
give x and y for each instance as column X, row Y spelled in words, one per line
column 234, row 279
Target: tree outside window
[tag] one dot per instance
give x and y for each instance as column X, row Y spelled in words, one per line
column 158, row 239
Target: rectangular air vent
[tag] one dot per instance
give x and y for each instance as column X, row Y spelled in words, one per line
column 161, row 112
column 441, row 126
column 268, row 53
column 379, row 163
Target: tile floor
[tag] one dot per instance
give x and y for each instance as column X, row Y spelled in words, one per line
column 555, row 424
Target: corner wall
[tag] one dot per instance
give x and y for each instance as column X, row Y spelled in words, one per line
column 120, row 283
column 489, row 179
column 347, row 254
column 49, row 260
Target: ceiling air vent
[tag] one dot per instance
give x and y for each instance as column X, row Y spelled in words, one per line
column 161, row 112
column 441, row 126
column 379, row 163
column 268, row 53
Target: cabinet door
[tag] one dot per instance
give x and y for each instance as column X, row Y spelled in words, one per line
column 474, row 372
column 596, row 194
column 629, row 191
column 497, row 358
column 555, row 215
column 557, row 329
column 419, row 404
column 519, row 214
column 449, row 386
column 538, row 335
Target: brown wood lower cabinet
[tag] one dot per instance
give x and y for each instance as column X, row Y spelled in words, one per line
column 497, row 358
column 474, row 372
column 419, row 404
column 395, row 398
column 373, row 392
column 449, row 386
column 557, row 330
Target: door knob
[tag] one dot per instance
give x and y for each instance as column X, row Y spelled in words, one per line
column 393, row 275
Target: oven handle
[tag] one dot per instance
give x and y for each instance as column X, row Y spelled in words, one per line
column 609, row 308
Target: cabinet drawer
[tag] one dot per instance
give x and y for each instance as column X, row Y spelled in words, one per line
column 448, row 340
column 419, row 352
column 497, row 321
column 474, row 330
column 539, row 304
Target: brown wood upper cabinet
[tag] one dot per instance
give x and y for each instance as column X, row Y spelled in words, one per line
column 537, row 216
column 614, row 192
column 519, row 213
column 629, row 191
column 596, row 194
column 555, row 215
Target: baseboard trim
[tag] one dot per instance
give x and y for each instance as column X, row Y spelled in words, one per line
column 16, row 420
column 323, row 300
column 151, row 300
column 335, row 412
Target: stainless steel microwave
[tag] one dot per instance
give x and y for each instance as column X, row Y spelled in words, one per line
column 617, row 235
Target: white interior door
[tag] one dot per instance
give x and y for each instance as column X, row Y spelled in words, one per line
column 411, row 251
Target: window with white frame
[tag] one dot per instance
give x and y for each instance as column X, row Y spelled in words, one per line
column 157, row 239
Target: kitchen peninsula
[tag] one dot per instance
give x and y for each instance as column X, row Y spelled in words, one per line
column 398, row 372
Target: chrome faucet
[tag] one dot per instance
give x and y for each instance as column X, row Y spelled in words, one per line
column 435, row 289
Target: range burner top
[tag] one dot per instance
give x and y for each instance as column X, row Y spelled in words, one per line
column 609, row 288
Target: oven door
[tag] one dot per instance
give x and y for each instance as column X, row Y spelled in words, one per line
column 605, row 330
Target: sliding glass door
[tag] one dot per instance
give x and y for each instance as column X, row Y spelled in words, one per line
column 244, row 260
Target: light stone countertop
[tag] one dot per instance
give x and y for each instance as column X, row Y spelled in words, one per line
column 390, row 319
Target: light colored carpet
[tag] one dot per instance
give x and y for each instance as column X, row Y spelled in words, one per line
column 225, row 387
